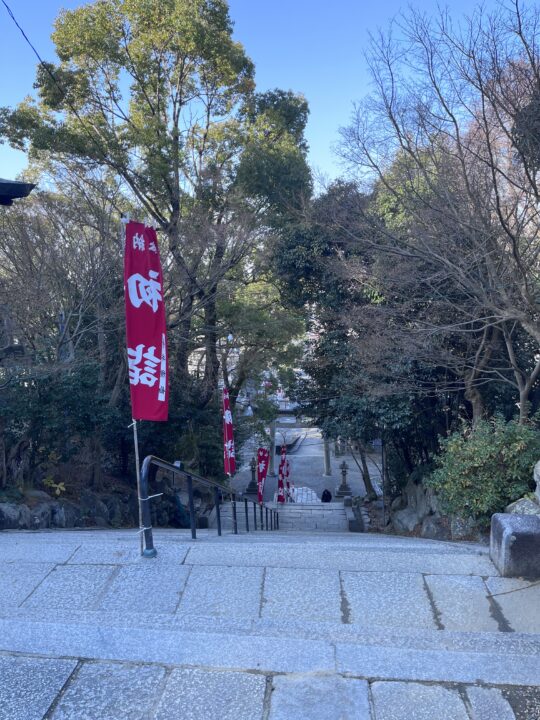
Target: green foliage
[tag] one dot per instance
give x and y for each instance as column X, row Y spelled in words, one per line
column 57, row 488
column 482, row 470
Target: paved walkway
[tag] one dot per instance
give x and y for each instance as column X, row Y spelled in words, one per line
column 275, row 626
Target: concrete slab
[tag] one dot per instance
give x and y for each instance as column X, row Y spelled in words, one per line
column 223, row 591
column 462, row 603
column 403, row 701
column 193, row 694
column 71, row 586
column 437, row 666
column 120, row 552
column 18, row 580
column 28, row 686
column 109, row 691
column 519, row 601
column 314, row 697
column 489, row 704
column 388, row 599
column 38, row 548
column 169, row 647
column 146, row 588
column 327, row 556
column 300, row 593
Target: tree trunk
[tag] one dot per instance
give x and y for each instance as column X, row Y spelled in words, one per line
column 364, row 469
column 183, row 347
column 18, row 464
column 524, row 405
column 211, row 368
column 474, row 397
column 102, row 348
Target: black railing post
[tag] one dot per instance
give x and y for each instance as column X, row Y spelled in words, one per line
column 277, row 519
column 266, row 518
column 149, row 549
column 262, row 523
column 255, row 515
column 192, row 517
column 271, row 519
column 247, row 516
column 218, row 510
column 235, row 521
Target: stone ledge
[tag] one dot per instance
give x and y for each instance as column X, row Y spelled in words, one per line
column 515, row 545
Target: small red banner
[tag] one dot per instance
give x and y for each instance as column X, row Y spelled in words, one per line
column 263, row 460
column 281, row 475
column 229, row 455
column 146, row 330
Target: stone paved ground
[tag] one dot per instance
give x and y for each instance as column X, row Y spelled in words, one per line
column 266, row 627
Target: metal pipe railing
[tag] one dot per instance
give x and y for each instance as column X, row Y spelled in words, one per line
column 218, row 511
column 154, row 462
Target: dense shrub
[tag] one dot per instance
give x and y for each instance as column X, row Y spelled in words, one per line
column 482, row 470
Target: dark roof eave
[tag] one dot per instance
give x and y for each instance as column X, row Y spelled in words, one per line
column 12, row 189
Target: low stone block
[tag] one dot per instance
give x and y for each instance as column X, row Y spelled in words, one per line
column 515, row 545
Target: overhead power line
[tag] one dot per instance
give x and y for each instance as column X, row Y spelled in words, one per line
column 46, row 67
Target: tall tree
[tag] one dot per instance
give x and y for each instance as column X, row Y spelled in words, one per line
column 455, row 130
column 163, row 96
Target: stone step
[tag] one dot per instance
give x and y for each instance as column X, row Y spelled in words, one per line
column 329, row 517
column 367, row 634
column 498, row 664
column 62, row 689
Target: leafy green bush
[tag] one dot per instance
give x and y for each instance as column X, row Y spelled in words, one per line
column 479, row 472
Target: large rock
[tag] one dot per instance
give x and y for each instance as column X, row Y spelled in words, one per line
column 71, row 514
column 34, row 497
column 14, row 517
column 463, row 528
column 515, row 545
column 523, row 506
column 115, row 510
column 58, row 516
column 41, row 516
column 93, row 510
column 417, row 502
column 406, row 520
column 435, row 527
column 536, row 475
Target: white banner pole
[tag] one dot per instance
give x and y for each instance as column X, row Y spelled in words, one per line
column 138, row 470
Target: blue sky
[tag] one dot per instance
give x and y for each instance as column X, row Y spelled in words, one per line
column 308, row 46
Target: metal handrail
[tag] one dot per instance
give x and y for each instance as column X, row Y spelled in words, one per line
column 152, row 460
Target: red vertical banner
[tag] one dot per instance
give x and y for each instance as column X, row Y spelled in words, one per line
column 281, row 475
column 263, row 460
column 287, row 475
column 229, row 456
column 146, row 329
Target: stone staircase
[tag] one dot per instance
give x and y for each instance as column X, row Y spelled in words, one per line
column 265, row 626
column 323, row 517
